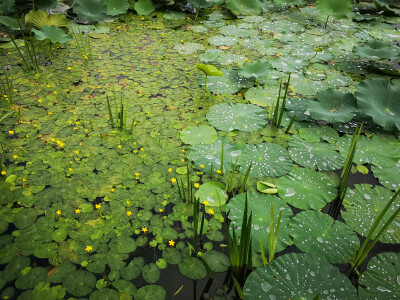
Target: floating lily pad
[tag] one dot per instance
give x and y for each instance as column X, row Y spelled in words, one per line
column 319, row 134
column 321, row 156
column 363, row 205
column 174, row 15
column 234, row 30
column 151, row 273
column 220, row 40
column 388, row 177
column 213, row 192
column 79, row 283
column 298, row 188
column 262, row 96
column 267, row 160
column 318, row 234
column 172, row 256
column 133, row 269
column 25, row 218
column 381, row 279
column 211, row 55
column 198, row 135
column 238, row 116
column 188, row 48
column 259, row 204
column 332, row 106
column 217, row 261
column 289, row 64
column 255, row 69
column 229, row 83
column 379, row 99
column 377, row 50
column 298, row 275
column 153, row 292
column 192, row 268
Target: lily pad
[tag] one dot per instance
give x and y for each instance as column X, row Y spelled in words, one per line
column 217, row 261
column 267, row 160
column 289, row 64
column 388, row 177
column 259, row 204
column 188, row 48
column 255, row 69
column 319, row 134
column 378, row 99
column 192, row 268
column 244, row 7
column 150, row 292
column 299, row 188
column 144, row 7
column 363, row 205
column 79, row 283
column 198, row 135
column 91, row 10
column 262, row 96
column 296, row 276
column 151, row 273
column 238, row 116
column 318, row 234
column 25, row 218
column 229, row 83
column 210, row 55
column 377, row 50
column 213, row 192
column 321, row 156
column 220, row 40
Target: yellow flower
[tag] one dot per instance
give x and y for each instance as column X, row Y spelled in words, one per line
column 76, row 151
column 135, row 83
column 173, row 180
column 77, row 123
column 58, row 212
column 141, row 149
column 70, row 169
column 119, row 146
column 210, row 211
column 144, row 229
column 55, row 92
column 249, row 61
column 205, row 203
column 10, row 132
column 69, row 122
column 78, row 211
column 182, row 160
column 218, row 171
column 202, row 166
column 39, row 100
column 129, row 213
column 137, row 174
column 3, row 173
column 15, row 156
column 170, row 170
column 49, row 113
column 86, row 130
column 158, row 72
column 88, row 248
column 171, row 243
column 69, row 68
column 183, row 150
column 97, row 206
column 123, row 73
column 148, row 55
column 128, row 202
column 196, row 185
column 53, row 139
column 181, row 41
column 112, row 190
column 160, row 210
column 186, row 69
column 60, row 144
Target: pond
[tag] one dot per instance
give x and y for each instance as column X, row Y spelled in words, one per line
column 133, row 138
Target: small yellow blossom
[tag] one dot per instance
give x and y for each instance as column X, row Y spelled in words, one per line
column 160, row 210
column 3, row 173
column 134, row 142
column 88, row 248
column 55, row 92
column 249, row 61
column 170, row 170
column 186, row 69
column 60, row 144
column 149, row 54
column 183, row 150
column 173, row 180
column 78, row 211
column 39, row 100
column 210, row 211
column 86, row 130
column 22, row 44
column 15, row 156
column 10, row 132
column 123, row 73
column 53, row 139
column 196, row 185
column 69, row 68
column 71, row 162
column 58, row 212
column 135, row 83
column 158, row 72
column 128, row 202
column 77, row 123
column 181, row 41
column 112, row 190
column 144, row 229
column 162, row 34
column 76, row 151
column 141, row 149
column 49, row 113
column 97, row 206
column 69, row 122
column 182, row 160
column 137, row 174
column 202, row 166
column 129, row 213
column 205, row 203
column 218, row 171
column 119, row 146
column 171, row 243
column 70, row 169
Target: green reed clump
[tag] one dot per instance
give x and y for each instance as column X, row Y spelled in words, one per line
column 119, row 116
column 272, row 237
column 278, row 111
column 186, row 192
column 6, row 90
column 85, row 48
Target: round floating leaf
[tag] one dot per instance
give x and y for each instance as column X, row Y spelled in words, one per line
column 133, row 269
column 53, row 34
column 229, row 83
column 104, row 294
column 259, row 205
column 363, row 206
column 238, row 116
column 381, row 279
column 321, row 156
column 213, row 192
column 192, row 268
column 332, row 106
column 262, row 96
column 144, row 7
column 377, row 50
column 25, row 218
column 174, row 15
column 117, row 7
column 217, row 261
column 124, row 244
column 318, row 234
column 220, row 40
column 255, row 69
column 189, row 48
column 151, row 273
column 172, row 256
column 244, row 7
column 297, row 106
column 124, row 286
column 8, row 253
column 30, row 280
column 79, row 283
column 46, row 250
column 339, row 9
column 388, row 177
column 211, row 55
column 150, row 292
column 195, row 135
column 267, row 160
column 319, row 134
column 298, row 276
column 306, row 189
column 91, row 10
column 290, row 64
column 14, row 267
column 379, row 99
column 209, row 70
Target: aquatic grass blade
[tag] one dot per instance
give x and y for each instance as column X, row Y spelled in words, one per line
column 246, row 177
column 209, row 271
column 290, row 124
column 238, row 287
column 284, row 101
column 110, row 112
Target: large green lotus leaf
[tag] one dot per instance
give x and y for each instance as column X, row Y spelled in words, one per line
column 381, row 279
column 144, row 7
column 9, row 22
column 262, row 96
column 188, row 48
column 220, row 40
column 267, row 160
column 373, row 150
column 52, row 33
column 46, row 250
column 363, row 205
column 151, row 273
column 105, row 293
column 298, row 276
column 210, row 55
column 289, row 64
column 388, row 35
column 259, row 204
column 388, row 177
column 25, row 218
column 318, row 234
column 30, row 280
column 213, row 192
column 91, row 10
column 39, row 18
column 150, row 292
column 255, row 69
column 244, row 7
column 79, row 283
column 379, row 99
column 133, row 269
column 234, row 30
column 201, row 134
column 192, row 268
column 217, row 261
column 5, row 5
column 306, row 189
column 339, row 9
column 229, row 83
column 332, row 106
column 116, row 7
column 377, row 50
column 317, row 133
column 237, row 116
column 172, row 256
column 297, row 106
column 320, row 155
column 306, row 87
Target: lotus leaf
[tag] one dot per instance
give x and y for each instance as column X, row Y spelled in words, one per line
column 262, row 96
column 229, row 83
column 321, row 156
column 43, row 291
column 238, row 116
column 189, row 48
column 363, row 205
column 298, row 275
column 220, row 40
column 388, row 177
column 381, row 279
column 213, row 192
column 332, row 106
column 91, row 10
column 174, row 15
column 339, row 9
column 298, row 188
column 151, row 273
column 45, row 4
column 116, row 7
column 198, row 135
column 30, row 280
column 297, row 107
column 150, row 292
column 267, row 159
column 209, row 70
column 192, row 268
column 6, row 5
column 133, row 269
column 53, row 34
column 217, row 261
column 377, row 50
column 290, row 64
column 378, row 99
column 25, row 218
column 255, row 69
column 244, row 7
column 38, row 19
column 211, row 55
column 9, row 22
column 237, row 31
column 259, row 205
column 319, row 134
column 227, row 59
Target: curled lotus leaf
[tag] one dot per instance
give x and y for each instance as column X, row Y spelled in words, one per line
column 39, row 18
column 377, row 50
column 209, row 70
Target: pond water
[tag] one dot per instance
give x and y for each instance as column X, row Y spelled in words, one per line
column 99, row 212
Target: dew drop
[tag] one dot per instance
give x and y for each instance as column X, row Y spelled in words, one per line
column 319, row 239
column 266, row 286
column 289, row 192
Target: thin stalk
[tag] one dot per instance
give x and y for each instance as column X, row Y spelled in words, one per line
column 198, row 10
column 290, row 124
column 50, row 51
column 77, row 44
column 83, row 45
column 276, row 110
column 132, row 125
column 20, row 54
column 34, row 54
column 246, row 177
column 90, row 48
column 110, row 112
column 326, row 23
column 284, row 102
column 222, row 157
column 210, row 273
column 116, row 106
column 206, row 82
